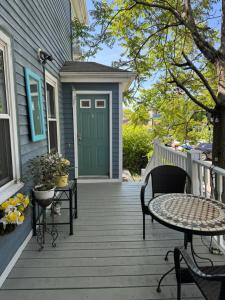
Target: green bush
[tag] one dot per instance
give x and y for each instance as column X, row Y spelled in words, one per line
column 137, row 144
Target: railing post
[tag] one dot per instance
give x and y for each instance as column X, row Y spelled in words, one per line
column 192, row 170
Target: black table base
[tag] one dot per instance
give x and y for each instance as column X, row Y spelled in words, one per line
column 188, row 239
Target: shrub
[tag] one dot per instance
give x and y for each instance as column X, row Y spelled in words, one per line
column 137, row 144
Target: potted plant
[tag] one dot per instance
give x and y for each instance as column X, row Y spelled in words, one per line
column 12, row 212
column 62, row 171
column 43, row 170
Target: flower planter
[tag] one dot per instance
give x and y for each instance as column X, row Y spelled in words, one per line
column 61, row 181
column 44, row 195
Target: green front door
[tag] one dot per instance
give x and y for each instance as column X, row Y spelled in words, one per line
column 93, row 135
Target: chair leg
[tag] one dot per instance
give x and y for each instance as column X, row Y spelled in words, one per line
column 178, row 276
column 143, row 226
column 152, row 220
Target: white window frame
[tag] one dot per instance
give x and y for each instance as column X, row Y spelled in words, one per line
column 14, row 185
column 100, row 107
column 85, row 107
column 51, row 80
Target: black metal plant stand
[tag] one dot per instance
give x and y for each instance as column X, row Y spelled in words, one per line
column 43, row 226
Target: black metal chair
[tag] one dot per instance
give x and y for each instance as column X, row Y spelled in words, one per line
column 210, row 280
column 165, row 179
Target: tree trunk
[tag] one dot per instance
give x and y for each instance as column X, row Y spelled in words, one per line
column 219, row 119
column 219, row 136
column 218, row 155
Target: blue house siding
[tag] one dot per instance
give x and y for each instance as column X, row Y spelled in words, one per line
column 32, row 25
column 68, row 118
column 44, row 24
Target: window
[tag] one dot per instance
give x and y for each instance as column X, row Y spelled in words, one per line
column 35, row 105
column 85, row 103
column 9, row 160
column 52, row 113
column 100, row 103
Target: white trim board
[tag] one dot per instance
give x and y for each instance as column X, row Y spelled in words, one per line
column 5, row 45
column 15, row 258
column 111, row 77
column 75, row 93
column 51, row 80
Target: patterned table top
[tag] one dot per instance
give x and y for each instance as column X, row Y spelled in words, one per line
column 188, row 212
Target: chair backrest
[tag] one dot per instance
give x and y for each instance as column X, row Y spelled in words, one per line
column 168, row 179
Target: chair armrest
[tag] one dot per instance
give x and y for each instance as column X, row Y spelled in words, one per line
column 193, row 268
column 143, row 188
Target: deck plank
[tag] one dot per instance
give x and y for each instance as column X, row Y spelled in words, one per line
column 106, row 258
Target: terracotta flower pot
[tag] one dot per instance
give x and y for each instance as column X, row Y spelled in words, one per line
column 61, row 180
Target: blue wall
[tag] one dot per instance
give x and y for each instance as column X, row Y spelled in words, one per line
column 68, row 118
column 31, row 25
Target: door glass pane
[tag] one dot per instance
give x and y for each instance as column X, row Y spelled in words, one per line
column 6, row 173
column 100, row 103
column 85, row 103
column 51, row 101
column 3, row 103
column 35, row 106
column 53, row 136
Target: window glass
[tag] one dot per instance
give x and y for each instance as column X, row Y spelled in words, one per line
column 100, row 103
column 3, row 103
column 85, row 103
column 53, row 136
column 35, row 106
column 51, row 101
column 6, row 173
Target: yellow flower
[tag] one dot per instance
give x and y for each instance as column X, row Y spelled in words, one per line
column 4, row 205
column 20, row 196
column 12, row 216
column 21, row 218
column 13, row 201
column 66, row 162
column 26, row 201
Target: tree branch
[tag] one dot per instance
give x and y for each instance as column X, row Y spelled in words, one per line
column 190, row 65
column 181, row 86
column 188, row 21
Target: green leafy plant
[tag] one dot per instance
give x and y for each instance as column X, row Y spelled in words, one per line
column 137, row 144
column 43, row 169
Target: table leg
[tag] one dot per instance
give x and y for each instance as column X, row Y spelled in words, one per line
column 34, row 217
column 71, row 211
column 167, row 254
column 75, row 200
column 161, row 279
column 187, row 239
column 194, row 255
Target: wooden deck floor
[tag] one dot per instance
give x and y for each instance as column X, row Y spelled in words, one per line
column 105, row 259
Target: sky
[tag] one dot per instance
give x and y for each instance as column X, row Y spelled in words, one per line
column 107, row 55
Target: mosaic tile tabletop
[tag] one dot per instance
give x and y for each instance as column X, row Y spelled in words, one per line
column 190, row 212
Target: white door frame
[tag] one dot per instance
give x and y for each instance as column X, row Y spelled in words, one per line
column 74, row 97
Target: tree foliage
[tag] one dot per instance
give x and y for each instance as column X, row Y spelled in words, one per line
column 178, row 41
column 137, row 143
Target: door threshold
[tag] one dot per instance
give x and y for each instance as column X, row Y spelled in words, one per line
column 98, row 180
column 93, row 177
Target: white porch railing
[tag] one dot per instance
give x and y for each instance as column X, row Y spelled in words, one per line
column 207, row 180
